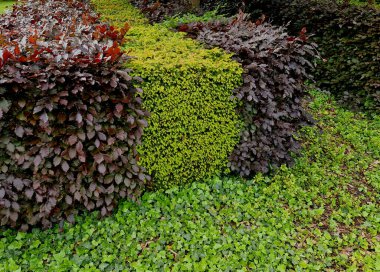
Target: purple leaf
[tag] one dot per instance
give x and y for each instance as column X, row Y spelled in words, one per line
column 57, row 161
column 73, row 139
column 101, row 168
column 65, row 166
column 2, row 193
column 102, row 136
column 29, row 193
column 37, row 160
column 44, row 117
column 79, row 118
column 19, row 131
column 18, row 184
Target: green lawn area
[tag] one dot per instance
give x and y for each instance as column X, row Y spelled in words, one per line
column 5, row 5
column 321, row 214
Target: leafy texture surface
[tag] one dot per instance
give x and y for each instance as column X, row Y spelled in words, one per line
column 70, row 116
column 275, row 68
column 158, row 11
column 193, row 126
column 323, row 214
column 348, row 38
column 5, row 5
column 225, row 7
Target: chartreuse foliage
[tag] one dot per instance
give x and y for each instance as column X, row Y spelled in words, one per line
column 193, row 125
column 323, row 214
column 119, row 11
column 4, row 5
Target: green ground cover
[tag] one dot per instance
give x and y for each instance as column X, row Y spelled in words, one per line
column 4, row 5
column 323, row 213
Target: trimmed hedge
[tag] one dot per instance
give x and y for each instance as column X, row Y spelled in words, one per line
column 275, row 70
column 193, row 126
column 70, row 115
column 348, row 38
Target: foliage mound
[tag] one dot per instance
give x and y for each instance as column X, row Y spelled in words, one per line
column 225, row 7
column 275, row 69
column 348, row 38
column 70, row 116
column 193, row 125
column 158, row 11
column 320, row 215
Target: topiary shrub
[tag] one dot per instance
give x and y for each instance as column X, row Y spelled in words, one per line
column 70, row 116
column 193, row 126
column 348, row 38
column 275, row 69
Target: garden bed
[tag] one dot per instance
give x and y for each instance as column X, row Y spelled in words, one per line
column 321, row 214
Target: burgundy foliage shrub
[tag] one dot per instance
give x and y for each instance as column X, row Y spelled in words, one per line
column 276, row 68
column 349, row 40
column 70, row 116
column 157, row 11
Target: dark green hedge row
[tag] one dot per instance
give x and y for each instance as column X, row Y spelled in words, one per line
column 348, row 38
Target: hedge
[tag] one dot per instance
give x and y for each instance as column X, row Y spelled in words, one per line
column 158, row 11
column 193, row 126
column 275, row 70
column 348, row 38
column 70, row 115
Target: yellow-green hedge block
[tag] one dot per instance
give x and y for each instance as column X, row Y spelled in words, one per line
column 118, row 12
column 193, row 126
